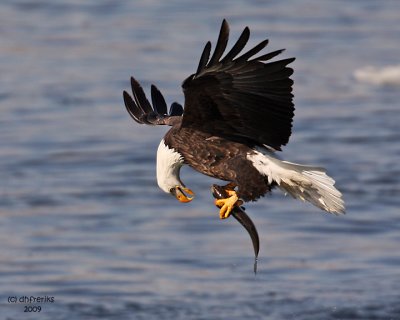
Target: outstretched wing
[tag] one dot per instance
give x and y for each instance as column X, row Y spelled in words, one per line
column 241, row 96
column 143, row 112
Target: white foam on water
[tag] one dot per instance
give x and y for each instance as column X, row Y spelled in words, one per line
column 381, row 76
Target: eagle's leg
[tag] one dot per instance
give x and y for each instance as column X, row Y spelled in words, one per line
column 226, row 205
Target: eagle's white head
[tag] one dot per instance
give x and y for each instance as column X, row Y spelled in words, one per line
column 169, row 163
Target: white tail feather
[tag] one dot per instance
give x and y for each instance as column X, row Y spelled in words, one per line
column 306, row 183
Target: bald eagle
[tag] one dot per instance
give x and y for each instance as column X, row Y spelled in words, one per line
column 238, row 113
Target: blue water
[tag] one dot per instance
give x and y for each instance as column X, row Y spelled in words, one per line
column 82, row 219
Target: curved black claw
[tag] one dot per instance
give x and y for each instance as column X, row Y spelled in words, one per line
column 240, row 215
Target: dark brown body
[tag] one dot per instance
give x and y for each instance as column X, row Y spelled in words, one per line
column 219, row 158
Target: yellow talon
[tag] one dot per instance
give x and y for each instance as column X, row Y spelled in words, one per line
column 227, row 205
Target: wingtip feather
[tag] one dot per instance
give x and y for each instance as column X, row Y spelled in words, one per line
column 204, row 58
column 132, row 108
column 221, row 43
column 140, row 109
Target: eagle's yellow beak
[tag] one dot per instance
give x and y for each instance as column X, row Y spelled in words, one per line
column 183, row 194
